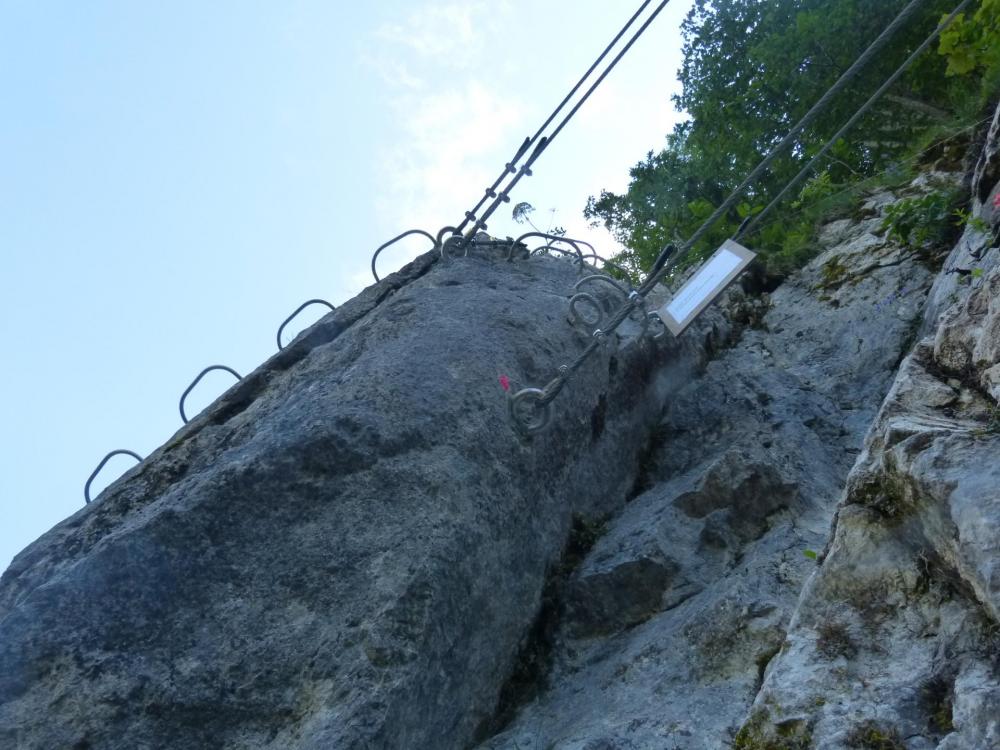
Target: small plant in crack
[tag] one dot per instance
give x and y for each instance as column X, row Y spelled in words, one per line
column 833, row 640
column 870, row 736
column 521, row 215
column 992, row 426
column 921, row 223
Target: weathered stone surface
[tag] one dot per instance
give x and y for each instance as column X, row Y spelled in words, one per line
column 353, row 548
column 670, row 620
column 967, row 342
column 897, row 634
column 348, row 547
column 974, row 248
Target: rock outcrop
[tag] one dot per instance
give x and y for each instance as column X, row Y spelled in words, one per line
column 780, row 531
column 896, row 638
column 347, row 549
column 669, row 622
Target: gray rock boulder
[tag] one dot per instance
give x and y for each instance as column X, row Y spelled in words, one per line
column 780, row 531
column 347, row 549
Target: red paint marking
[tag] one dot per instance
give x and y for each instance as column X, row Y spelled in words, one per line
column 996, row 201
column 505, row 382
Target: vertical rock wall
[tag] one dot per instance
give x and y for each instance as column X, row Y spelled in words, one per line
column 896, row 638
column 670, row 621
column 346, row 550
column 354, row 549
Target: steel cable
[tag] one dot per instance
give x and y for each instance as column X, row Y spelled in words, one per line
column 749, row 225
column 510, row 167
column 540, row 144
column 545, row 141
column 530, row 408
column 836, row 88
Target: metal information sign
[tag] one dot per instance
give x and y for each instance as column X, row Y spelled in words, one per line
column 705, row 286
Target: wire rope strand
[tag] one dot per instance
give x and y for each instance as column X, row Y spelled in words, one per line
column 862, row 184
column 529, row 142
column 544, row 142
column 873, row 49
column 747, row 227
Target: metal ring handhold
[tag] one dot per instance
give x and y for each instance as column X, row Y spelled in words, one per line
column 554, row 237
column 638, row 312
column 94, row 473
column 395, row 239
column 299, row 309
column 529, row 398
column 564, row 251
column 663, row 329
column 611, row 264
column 202, row 374
column 440, row 242
column 604, row 279
column 444, row 230
column 562, row 238
column 590, row 300
column 459, row 241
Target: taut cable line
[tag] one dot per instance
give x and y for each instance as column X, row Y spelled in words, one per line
column 864, row 183
column 451, row 238
column 531, row 407
column 750, row 224
column 511, row 166
column 873, row 49
column 545, row 141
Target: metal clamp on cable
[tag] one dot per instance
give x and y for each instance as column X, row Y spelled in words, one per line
column 95, row 472
column 638, row 312
column 656, row 320
column 195, row 382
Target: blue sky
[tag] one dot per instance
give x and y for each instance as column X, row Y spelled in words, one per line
column 175, row 178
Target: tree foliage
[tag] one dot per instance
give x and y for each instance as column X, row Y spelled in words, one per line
column 752, row 69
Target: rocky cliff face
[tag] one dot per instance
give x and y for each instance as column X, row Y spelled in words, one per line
column 347, row 549
column 780, row 531
column 896, row 637
column 751, row 460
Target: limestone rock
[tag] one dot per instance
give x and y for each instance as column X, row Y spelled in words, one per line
column 896, row 636
column 781, row 530
column 347, row 549
column 668, row 623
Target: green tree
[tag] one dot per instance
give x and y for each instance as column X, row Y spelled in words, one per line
column 751, row 69
column 973, row 44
